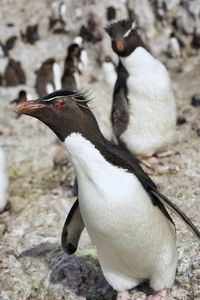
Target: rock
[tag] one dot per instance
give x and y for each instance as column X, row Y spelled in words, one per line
column 174, row 47
column 111, row 13
column 18, row 203
column 60, row 157
column 198, row 131
column 181, row 120
column 3, row 229
column 195, row 100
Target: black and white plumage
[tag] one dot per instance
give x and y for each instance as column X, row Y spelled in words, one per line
column 70, row 79
column 48, row 77
column 121, row 207
column 3, row 182
column 144, row 111
column 76, row 62
column 109, row 76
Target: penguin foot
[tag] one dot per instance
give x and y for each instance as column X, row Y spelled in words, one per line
column 150, row 161
column 165, row 153
column 123, row 296
column 160, row 295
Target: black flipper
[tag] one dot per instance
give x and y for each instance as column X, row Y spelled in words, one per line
column 120, row 115
column 72, row 229
column 171, row 206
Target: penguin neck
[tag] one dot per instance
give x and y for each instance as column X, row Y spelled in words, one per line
column 85, row 154
column 138, row 58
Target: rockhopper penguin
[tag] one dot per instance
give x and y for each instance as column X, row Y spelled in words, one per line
column 143, row 112
column 48, row 77
column 123, row 211
column 70, row 78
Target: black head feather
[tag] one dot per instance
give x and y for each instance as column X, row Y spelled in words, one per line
column 82, row 97
column 124, row 37
column 119, row 28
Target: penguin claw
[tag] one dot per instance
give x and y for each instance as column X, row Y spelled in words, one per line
column 161, row 295
column 123, row 296
column 150, row 162
column 165, row 153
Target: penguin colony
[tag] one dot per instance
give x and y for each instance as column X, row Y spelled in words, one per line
column 132, row 230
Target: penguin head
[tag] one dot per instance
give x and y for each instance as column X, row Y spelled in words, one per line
column 48, row 63
column 74, row 50
column 22, row 95
column 63, row 111
column 124, row 37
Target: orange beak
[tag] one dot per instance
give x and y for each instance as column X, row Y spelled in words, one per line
column 26, row 107
column 119, row 44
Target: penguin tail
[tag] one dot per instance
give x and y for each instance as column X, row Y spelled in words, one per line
column 173, row 208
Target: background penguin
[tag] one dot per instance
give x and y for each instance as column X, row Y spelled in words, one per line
column 109, row 76
column 22, row 96
column 144, row 112
column 7, row 46
column 56, row 20
column 47, row 77
column 14, row 74
column 31, row 35
column 93, row 32
column 70, row 78
column 117, row 199
column 3, row 182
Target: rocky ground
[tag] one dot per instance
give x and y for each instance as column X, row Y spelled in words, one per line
column 32, row 263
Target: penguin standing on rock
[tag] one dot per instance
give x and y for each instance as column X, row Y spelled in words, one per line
column 123, row 211
column 144, row 111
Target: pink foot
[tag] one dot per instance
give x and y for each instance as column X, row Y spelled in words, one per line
column 123, row 296
column 150, row 162
column 165, row 153
column 160, row 295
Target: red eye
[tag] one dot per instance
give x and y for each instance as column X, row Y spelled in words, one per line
column 58, row 105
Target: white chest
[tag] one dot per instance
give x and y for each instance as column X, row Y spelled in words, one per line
column 3, row 182
column 152, row 112
column 104, row 189
column 119, row 217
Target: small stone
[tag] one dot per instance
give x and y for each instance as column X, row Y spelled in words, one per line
column 196, row 40
column 3, row 228
column 111, row 13
column 195, row 100
column 181, row 120
column 198, row 131
column 18, row 203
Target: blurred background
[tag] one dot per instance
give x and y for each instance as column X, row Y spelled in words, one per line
column 46, row 45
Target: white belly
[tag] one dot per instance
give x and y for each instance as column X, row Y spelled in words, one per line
column 133, row 238
column 152, row 108
column 3, row 182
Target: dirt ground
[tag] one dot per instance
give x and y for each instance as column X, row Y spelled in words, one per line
column 32, row 263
